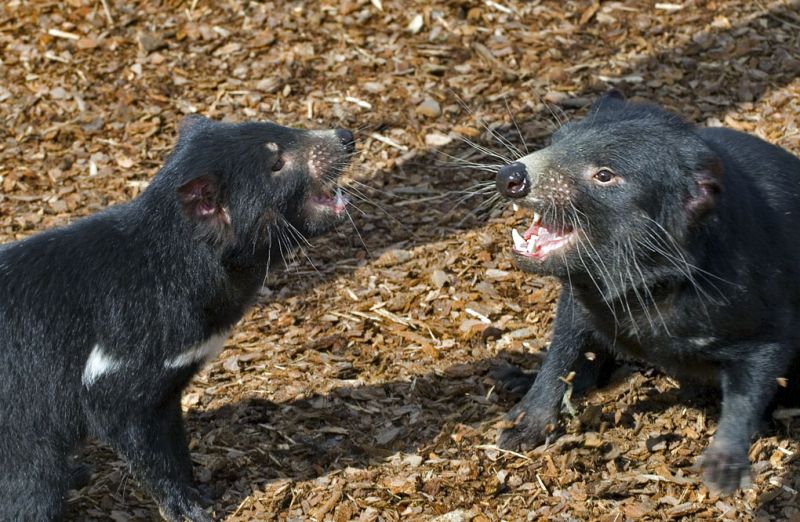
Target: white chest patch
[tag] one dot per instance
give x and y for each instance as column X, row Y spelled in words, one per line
column 201, row 352
column 702, row 342
column 98, row 364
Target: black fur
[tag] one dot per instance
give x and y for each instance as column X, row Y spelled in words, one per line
column 685, row 254
column 137, row 287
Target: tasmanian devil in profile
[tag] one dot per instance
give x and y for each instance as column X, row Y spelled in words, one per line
column 675, row 245
column 104, row 322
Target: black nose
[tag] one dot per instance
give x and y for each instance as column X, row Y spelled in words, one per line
column 512, row 180
column 347, row 139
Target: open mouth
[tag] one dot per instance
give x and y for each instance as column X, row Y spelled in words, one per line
column 539, row 241
column 335, row 202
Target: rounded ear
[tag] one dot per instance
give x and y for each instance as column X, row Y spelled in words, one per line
column 707, row 187
column 611, row 100
column 202, row 200
column 190, row 124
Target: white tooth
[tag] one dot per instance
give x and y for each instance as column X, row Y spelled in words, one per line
column 536, row 218
column 519, row 242
column 340, row 201
column 531, row 245
column 515, row 206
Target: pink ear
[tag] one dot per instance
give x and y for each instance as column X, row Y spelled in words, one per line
column 708, row 185
column 200, row 198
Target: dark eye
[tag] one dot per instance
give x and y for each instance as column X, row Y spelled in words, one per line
column 278, row 165
column 604, row 176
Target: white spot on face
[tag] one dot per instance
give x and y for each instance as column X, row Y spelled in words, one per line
column 97, row 365
column 200, row 352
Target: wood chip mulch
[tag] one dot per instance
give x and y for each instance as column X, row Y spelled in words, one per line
column 362, row 385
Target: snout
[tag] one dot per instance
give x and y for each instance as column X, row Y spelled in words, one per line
column 512, row 180
column 347, row 139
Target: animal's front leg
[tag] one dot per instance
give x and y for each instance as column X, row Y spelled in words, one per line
column 748, row 386
column 151, row 439
column 532, row 417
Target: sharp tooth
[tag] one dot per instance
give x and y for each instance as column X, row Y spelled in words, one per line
column 515, row 206
column 532, row 245
column 341, row 201
column 536, row 218
column 519, row 242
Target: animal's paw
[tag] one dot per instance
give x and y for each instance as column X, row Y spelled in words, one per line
column 522, row 430
column 511, row 380
column 725, row 467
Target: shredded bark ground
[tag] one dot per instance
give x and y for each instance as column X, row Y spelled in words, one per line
column 361, row 386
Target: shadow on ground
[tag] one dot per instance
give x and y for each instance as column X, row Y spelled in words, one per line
column 364, row 426
column 422, row 199
column 359, row 426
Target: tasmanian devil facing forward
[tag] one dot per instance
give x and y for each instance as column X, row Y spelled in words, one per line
column 675, row 245
column 103, row 322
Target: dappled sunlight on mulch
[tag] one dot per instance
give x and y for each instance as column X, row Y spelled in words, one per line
column 361, row 387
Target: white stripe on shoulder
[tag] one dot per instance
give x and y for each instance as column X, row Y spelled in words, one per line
column 97, row 365
column 200, row 352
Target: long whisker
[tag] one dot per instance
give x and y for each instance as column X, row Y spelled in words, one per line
column 672, row 252
column 515, row 152
column 605, row 277
column 514, row 120
column 484, row 150
column 678, row 251
column 589, row 273
column 358, row 233
column 652, row 241
column 646, row 287
column 464, row 163
column 634, row 287
column 486, row 206
column 702, row 295
column 353, row 196
column 280, row 247
column 300, row 239
column 380, row 207
column 468, row 194
column 559, row 123
column 269, row 254
column 296, row 233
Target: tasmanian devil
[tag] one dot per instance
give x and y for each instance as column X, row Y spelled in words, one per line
column 103, row 322
column 675, row 245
